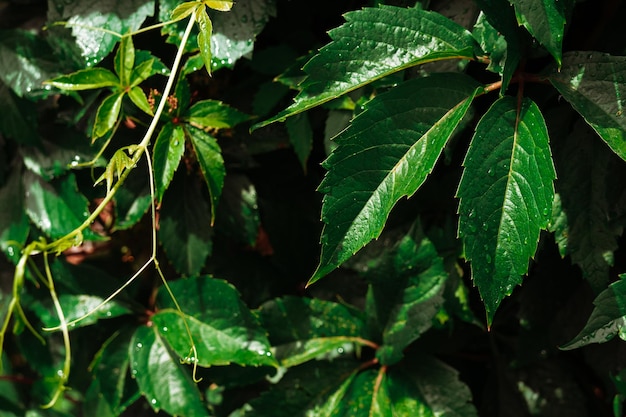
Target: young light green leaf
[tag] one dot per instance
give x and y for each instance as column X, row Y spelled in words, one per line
column 221, row 5
column 185, row 9
column 607, row 319
column 164, row 382
column 386, row 154
column 185, row 228
column 87, row 79
column 545, row 21
column 506, row 194
column 211, row 163
column 138, row 97
column 142, row 71
column 204, row 37
column 374, row 43
column 595, row 85
column 107, row 115
column 119, row 162
column 223, row 328
column 124, row 60
column 214, row 114
column 168, row 151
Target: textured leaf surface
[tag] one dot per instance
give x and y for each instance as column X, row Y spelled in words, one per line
column 607, row 319
column 595, row 85
column 211, row 163
column 373, row 43
column 300, row 333
column 223, row 328
column 107, row 115
column 386, row 154
column 185, row 229
column 214, row 114
column 56, row 208
column 162, row 379
column 86, row 79
column 77, row 305
column 587, row 214
column 545, row 20
column 506, row 194
column 405, row 293
column 120, row 16
column 168, row 151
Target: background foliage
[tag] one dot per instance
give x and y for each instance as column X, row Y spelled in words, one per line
column 164, row 254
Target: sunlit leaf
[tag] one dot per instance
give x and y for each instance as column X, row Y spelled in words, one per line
column 214, row 114
column 185, row 9
column 204, row 37
column 124, row 60
column 374, row 43
column 164, row 382
column 386, row 154
column 595, row 85
column 168, row 151
column 138, row 97
column 107, row 114
column 86, row 79
column 506, row 194
column 221, row 5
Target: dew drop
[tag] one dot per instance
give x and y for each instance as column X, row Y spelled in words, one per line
column 108, row 314
column 153, row 401
column 340, row 350
column 138, row 346
column 164, row 329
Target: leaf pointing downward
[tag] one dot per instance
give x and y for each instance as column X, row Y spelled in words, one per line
column 506, row 194
column 386, row 154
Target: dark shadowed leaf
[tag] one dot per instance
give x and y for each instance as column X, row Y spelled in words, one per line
column 222, row 327
column 162, row 379
column 506, row 194
column 300, row 136
column 238, row 212
column 18, row 121
column 14, row 226
column 373, row 43
column 595, row 85
column 185, row 225
column 132, row 200
column 607, row 319
column 386, row 154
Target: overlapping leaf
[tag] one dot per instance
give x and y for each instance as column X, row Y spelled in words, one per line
column 14, row 226
column 545, row 21
column 162, row 379
column 506, row 194
column 595, row 85
column 405, row 293
column 386, row 154
column 18, row 121
column 222, row 327
column 373, row 43
column 299, row 331
column 607, row 319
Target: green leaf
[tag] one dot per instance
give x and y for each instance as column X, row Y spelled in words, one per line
column 111, row 389
column 374, row 43
column 138, row 97
column 301, row 137
column 83, row 16
column 300, row 333
column 607, row 319
column 221, row 5
column 14, row 226
column 353, row 398
column 238, row 212
column 204, row 37
column 27, row 61
column 119, row 162
column 107, row 115
column 506, row 194
column 545, row 21
column 124, row 60
column 147, row 65
column 399, row 138
column 586, row 216
column 209, row 156
column 57, row 207
column 185, row 229
column 87, row 79
column 18, row 121
column 214, row 114
column 132, row 200
column 224, row 330
column 168, row 151
column 162, row 379
column 595, row 85
column 185, row 9
column 405, row 294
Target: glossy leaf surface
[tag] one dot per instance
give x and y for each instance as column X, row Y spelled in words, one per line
column 223, row 328
column 373, row 43
column 167, row 153
column 506, row 195
column 386, row 154
column 595, row 85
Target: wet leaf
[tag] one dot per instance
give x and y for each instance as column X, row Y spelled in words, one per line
column 506, row 194
column 204, row 37
column 87, row 79
column 124, row 60
column 107, row 115
column 214, row 114
column 168, row 151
